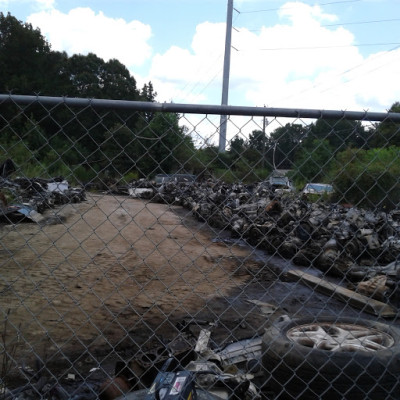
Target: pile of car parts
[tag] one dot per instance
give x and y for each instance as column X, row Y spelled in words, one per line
column 27, row 198
column 337, row 239
column 213, row 374
column 324, row 358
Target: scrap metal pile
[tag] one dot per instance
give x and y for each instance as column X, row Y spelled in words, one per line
column 27, row 198
column 338, row 239
column 233, row 371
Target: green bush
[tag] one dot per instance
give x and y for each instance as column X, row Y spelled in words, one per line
column 369, row 178
column 313, row 159
column 245, row 175
column 82, row 175
column 129, row 177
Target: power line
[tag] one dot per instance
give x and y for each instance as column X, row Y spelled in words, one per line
column 192, row 86
column 342, row 24
column 288, row 8
column 314, row 87
column 320, row 47
column 195, row 92
column 364, row 22
column 363, row 74
column 202, row 73
column 209, row 82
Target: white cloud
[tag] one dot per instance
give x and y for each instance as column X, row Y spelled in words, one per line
column 375, row 81
column 82, row 31
column 256, row 69
column 303, row 14
column 289, row 61
column 296, row 63
column 181, row 74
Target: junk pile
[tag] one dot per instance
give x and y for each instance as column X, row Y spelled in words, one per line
column 180, row 367
column 195, row 370
column 24, row 199
column 337, row 239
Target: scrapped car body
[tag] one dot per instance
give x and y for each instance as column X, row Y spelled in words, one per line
column 279, row 184
column 318, row 188
column 163, row 178
column 141, row 193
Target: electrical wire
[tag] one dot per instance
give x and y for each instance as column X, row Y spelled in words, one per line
column 363, row 74
column 325, row 25
column 200, row 79
column 289, row 8
column 363, row 22
column 347, row 71
column 321, row 47
column 213, row 78
column 376, row 21
column 192, row 86
column 343, row 73
column 210, row 81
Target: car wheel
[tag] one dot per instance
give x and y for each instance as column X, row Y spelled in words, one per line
column 332, row 358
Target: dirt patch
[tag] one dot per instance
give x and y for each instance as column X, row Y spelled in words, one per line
column 113, row 272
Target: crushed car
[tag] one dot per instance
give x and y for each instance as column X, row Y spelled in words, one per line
column 318, row 188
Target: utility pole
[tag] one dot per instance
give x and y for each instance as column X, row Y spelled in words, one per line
column 225, row 79
column 263, row 141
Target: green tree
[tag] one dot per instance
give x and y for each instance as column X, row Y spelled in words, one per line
column 256, row 151
column 387, row 133
column 339, row 133
column 27, row 64
column 91, row 76
column 283, row 144
column 85, row 139
column 369, row 178
column 313, row 162
column 204, row 160
column 257, row 141
column 147, row 93
column 237, row 146
column 163, row 146
column 119, row 150
column 237, row 160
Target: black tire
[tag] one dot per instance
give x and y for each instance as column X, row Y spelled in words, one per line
column 297, row 371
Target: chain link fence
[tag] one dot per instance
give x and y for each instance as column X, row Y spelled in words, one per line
column 136, row 255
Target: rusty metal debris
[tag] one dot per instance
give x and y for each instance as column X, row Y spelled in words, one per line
column 355, row 299
column 23, row 199
column 337, row 239
column 209, row 373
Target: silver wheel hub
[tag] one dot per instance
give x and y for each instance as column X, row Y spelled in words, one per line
column 340, row 337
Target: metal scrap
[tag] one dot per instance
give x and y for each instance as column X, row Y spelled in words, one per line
column 27, row 198
column 329, row 236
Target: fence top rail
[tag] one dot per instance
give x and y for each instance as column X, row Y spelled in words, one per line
column 200, row 108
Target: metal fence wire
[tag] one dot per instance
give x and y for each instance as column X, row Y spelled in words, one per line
column 140, row 259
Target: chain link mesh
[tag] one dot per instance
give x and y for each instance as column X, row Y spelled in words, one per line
column 126, row 236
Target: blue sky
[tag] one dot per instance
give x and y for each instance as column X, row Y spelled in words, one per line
column 302, row 54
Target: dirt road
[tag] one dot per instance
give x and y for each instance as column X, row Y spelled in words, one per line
column 108, row 272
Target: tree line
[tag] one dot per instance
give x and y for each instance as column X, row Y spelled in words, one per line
column 87, row 144
column 361, row 161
